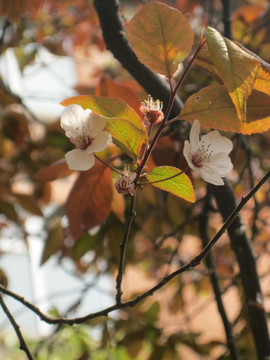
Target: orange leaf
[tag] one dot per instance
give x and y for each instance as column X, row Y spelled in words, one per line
column 90, row 200
column 263, row 81
column 111, row 88
column 55, row 171
column 213, row 107
column 248, row 13
column 161, row 37
column 236, row 68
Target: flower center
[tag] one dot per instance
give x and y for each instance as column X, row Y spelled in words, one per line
column 202, row 155
column 81, row 142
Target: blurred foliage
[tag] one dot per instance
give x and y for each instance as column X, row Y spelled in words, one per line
column 165, row 232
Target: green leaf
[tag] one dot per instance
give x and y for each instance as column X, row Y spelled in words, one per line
column 161, row 37
column 213, row 107
column 180, row 185
column 123, row 122
column 151, row 315
column 236, row 68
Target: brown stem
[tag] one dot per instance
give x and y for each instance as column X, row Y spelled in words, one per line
column 16, row 327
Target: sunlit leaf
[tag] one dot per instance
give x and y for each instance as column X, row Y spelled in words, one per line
column 89, row 202
column 161, row 37
column 55, row 171
column 263, row 81
column 213, row 107
column 123, row 122
column 179, row 185
column 236, row 68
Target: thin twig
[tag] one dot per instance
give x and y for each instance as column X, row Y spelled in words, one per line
column 123, row 250
column 16, row 327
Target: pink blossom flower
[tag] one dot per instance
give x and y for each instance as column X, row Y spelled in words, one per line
column 85, row 130
column 208, row 156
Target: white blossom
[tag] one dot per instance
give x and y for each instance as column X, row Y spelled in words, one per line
column 208, row 156
column 85, row 130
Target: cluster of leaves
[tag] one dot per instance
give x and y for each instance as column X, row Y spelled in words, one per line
column 237, row 99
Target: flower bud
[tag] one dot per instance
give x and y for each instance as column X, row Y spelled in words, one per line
column 151, row 110
column 125, row 184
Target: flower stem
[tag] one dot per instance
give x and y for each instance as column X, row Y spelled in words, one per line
column 167, row 113
column 108, row 165
column 123, row 246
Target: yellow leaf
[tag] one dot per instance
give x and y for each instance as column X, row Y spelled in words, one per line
column 236, row 68
column 213, row 107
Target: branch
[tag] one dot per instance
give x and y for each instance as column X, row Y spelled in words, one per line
column 131, row 303
column 227, row 18
column 209, row 260
column 117, row 42
column 16, row 327
column 241, row 245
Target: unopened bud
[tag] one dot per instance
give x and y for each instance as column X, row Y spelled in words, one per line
column 152, row 111
column 125, row 184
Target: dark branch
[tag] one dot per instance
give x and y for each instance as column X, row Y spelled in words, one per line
column 117, row 42
column 16, row 327
column 209, row 261
column 241, row 245
column 227, row 18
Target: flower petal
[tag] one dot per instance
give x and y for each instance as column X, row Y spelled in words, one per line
column 73, row 119
column 79, row 160
column 195, row 136
column 98, row 124
column 218, row 143
column 100, row 142
column 188, row 154
column 211, row 177
column 220, row 163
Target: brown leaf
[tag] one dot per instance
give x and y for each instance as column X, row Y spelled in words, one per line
column 90, row 200
column 28, row 203
column 55, row 171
